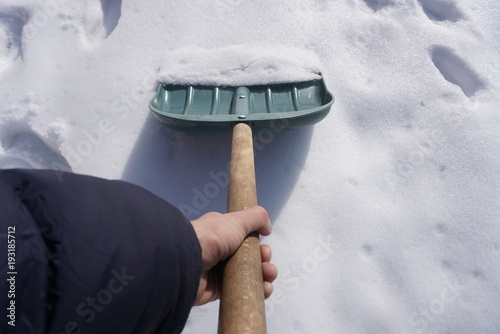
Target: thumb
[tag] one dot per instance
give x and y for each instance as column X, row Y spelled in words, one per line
column 254, row 219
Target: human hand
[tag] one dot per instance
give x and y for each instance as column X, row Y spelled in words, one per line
column 220, row 235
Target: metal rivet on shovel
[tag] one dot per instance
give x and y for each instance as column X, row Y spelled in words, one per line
column 274, row 107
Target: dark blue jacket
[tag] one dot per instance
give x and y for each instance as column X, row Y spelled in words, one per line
column 86, row 255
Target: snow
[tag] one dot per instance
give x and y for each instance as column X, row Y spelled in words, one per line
column 238, row 65
column 385, row 214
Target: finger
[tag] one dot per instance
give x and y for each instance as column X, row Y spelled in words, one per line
column 268, row 289
column 269, row 272
column 254, row 219
column 266, row 253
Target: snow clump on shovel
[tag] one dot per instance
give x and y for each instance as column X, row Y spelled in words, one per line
column 238, row 65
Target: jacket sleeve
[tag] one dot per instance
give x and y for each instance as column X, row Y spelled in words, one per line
column 96, row 256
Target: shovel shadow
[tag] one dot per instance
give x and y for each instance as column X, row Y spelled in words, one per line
column 190, row 170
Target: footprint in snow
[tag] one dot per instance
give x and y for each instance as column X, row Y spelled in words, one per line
column 12, row 21
column 20, row 144
column 367, row 249
column 378, row 4
column 441, row 10
column 456, row 70
column 26, row 150
column 101, row 18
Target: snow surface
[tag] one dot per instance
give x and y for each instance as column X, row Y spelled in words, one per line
column 386, row 214
column 238, row 65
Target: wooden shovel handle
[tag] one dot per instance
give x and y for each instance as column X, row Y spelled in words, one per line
column 242, row 307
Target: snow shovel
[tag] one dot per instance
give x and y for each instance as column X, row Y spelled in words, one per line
column 207, row 108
